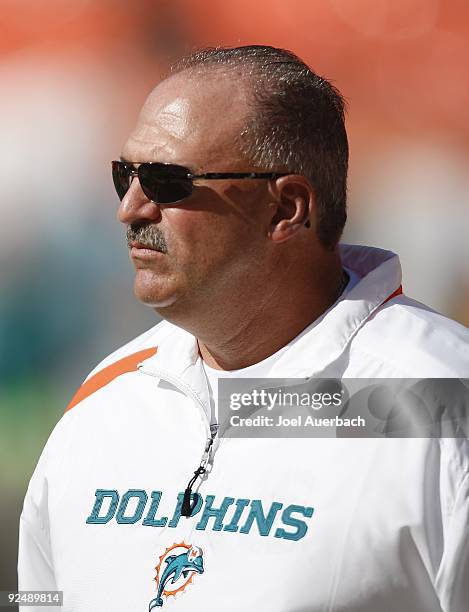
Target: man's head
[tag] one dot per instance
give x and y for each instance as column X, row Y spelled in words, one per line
column 250, row 109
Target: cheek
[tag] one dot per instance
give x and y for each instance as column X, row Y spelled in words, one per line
column 204, row 238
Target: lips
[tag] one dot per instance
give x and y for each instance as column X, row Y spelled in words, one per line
column 143, row 252
column 142, row 246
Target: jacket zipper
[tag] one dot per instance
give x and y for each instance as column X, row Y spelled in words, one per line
column 190, row 499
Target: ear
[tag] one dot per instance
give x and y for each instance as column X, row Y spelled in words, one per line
column 295, row 207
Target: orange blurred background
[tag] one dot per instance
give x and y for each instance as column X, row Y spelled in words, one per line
column 73, row 76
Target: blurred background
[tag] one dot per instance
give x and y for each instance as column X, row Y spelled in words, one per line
column 73, row 74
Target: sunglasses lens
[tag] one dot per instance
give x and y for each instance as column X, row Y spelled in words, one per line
column 173, row 191
column 121, row 176
column 161, row 185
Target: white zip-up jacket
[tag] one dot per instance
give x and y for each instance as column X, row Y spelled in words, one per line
column 280, row 525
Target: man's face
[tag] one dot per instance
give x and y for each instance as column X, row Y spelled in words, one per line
column 203, row 246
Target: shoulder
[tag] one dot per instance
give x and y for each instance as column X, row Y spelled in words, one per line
column 144, row 342
column 414, row 341
column 65, row 433
column 122, row 361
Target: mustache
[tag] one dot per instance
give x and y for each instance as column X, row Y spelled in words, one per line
column 148, row 235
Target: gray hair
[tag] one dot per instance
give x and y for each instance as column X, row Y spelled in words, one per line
column 297, row 124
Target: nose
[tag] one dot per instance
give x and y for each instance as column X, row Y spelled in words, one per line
column 135, row 206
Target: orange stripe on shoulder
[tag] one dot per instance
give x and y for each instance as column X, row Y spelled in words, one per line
column 108, row 374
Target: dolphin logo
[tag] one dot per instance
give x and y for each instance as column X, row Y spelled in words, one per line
column 188, row 562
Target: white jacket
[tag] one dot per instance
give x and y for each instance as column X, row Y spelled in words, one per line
column 283, row 525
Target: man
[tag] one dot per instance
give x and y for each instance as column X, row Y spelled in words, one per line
column 233, row 189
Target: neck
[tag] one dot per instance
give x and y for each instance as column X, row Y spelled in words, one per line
column 254, row 322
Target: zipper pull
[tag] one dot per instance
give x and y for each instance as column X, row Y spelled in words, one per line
column 188, row 505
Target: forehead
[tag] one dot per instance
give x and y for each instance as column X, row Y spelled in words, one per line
column 191, row 120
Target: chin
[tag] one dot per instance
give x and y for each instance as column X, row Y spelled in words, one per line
column 155, row 300
column 154, row 294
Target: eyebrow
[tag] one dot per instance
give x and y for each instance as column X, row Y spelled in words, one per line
column 127, row 161
column 137, row 164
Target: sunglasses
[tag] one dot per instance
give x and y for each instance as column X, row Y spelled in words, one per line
column 170, row 183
